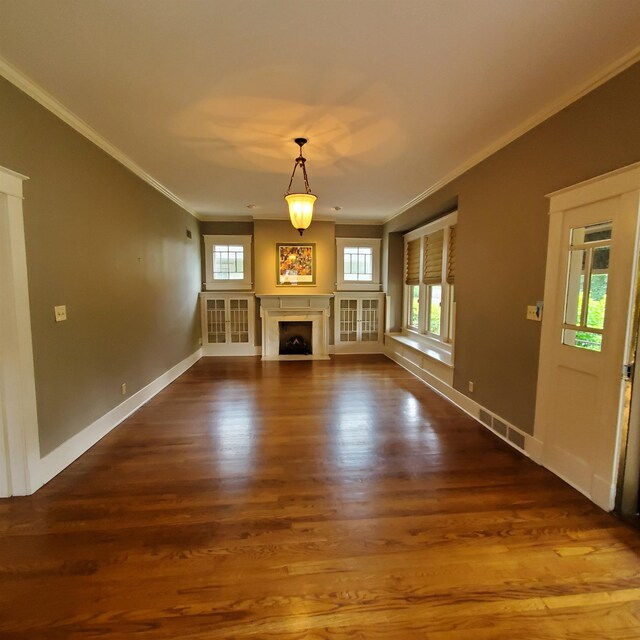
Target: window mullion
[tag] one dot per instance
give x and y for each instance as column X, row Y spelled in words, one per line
column 424, row 308
column 585, row 288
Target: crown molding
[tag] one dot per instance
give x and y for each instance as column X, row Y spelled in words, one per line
column 285, row 217
column 599, row 78
column 213, row 217
column 28, row 86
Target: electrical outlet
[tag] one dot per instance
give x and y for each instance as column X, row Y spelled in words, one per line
column 60, row 312
column 123, row 388
column 470, row 386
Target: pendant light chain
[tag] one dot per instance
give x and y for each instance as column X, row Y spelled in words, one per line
column 300, row 161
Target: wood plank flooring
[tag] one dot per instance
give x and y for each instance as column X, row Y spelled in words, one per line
column 334, row 500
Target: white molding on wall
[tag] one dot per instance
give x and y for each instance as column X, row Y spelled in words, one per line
column 564, row 465
column 28, row 86
column 56, row 461
column 469, row 406
column 19, row 450
column 608, row 185
column 598, row 79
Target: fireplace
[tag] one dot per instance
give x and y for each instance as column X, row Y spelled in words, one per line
column 305, row 319
column 295, row 338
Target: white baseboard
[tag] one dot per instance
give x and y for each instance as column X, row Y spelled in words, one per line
column 469, row 406
column 603, row 493
column 61, row 457
column 230, row 350
column 533, row 448
column 560, row 463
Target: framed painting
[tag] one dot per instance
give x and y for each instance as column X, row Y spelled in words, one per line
column 296, row 264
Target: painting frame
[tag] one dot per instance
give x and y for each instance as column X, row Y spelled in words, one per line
column 295, row 264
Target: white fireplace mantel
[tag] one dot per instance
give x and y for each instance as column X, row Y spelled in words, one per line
column 314, row 308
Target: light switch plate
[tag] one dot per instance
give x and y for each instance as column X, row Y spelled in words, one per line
column 60, row 312
column 534, row 312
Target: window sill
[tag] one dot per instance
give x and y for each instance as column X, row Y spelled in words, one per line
column 358, row 286
column 228, row 285
column 435, row 352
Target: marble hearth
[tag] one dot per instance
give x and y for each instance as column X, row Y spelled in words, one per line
column 295, row 308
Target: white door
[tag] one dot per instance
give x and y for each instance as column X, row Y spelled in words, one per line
column 585, row 334
column 19, row 448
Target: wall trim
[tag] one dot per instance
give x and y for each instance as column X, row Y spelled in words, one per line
column 61, row 457
column 594, row 487
column 28, row 86
column 598, row 79
column 469, row 406
column 19, row 448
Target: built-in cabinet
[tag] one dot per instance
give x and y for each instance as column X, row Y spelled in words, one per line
column 359, row 320
column 228, row 324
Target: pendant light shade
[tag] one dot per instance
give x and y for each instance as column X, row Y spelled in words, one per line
column 300, row 209
column 300, row 204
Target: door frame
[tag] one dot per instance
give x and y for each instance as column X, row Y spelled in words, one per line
column 19, row 446
column 625, row 183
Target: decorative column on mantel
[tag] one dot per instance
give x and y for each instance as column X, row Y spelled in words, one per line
column 314, row 308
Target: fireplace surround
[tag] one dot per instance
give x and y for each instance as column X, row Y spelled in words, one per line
column 314, row 309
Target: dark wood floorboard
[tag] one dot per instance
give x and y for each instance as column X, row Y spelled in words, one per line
column 337, row 500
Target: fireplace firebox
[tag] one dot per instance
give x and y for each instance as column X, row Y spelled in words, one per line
column 296, row 338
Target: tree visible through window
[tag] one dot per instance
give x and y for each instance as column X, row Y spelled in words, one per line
column 430, row 267
column 586, row 289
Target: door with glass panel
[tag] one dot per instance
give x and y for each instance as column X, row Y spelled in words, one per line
column 585, row 338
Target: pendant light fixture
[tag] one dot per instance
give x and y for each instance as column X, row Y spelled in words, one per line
column 300, row 204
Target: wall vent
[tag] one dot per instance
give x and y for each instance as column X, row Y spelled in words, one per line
column 499, row 427
column 516, row 438
column 485, row 417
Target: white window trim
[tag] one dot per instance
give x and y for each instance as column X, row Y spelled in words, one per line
column 228, row 285
column 422, row 335
column 350, row 285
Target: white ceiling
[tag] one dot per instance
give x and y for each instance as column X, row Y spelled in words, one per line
column 394, row 95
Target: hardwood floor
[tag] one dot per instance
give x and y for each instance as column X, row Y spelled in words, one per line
column 311, row 500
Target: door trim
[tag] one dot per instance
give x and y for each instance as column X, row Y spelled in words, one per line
column 19, row 420
column 622, row 183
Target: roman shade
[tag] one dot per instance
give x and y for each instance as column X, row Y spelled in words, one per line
column 413, row 262
column 451, row 256
column 433, row 248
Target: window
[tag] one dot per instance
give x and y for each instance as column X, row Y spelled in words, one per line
column 227, row 262
column 430, row 261
column 586, row 291
column 358, row 265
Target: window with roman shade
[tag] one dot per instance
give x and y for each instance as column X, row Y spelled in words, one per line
column 428, row 300
column 451, row 256
column 433, row 249
column 413, row 263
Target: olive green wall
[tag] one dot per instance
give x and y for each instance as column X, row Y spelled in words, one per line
column 269, row 232
column 111, row 248
column 358, row 230
column 502, row 238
